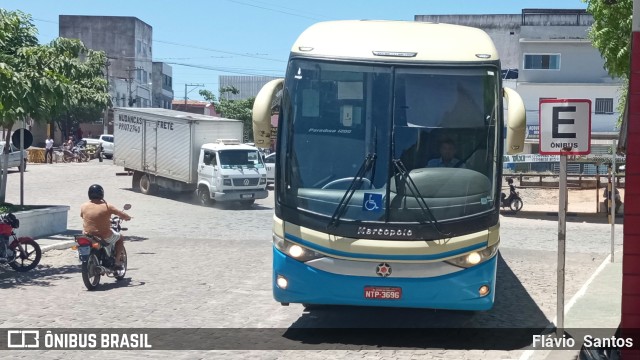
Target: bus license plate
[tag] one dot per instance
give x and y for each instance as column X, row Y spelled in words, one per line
column 246, row 196
column 383, row 293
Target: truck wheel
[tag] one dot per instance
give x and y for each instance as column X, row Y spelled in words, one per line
column 203, row 196
column 135, row 180
column 146, row 187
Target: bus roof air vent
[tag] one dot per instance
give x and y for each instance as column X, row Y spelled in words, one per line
column 395, row 53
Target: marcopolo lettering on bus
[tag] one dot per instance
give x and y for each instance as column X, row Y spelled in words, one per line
column 565, row 127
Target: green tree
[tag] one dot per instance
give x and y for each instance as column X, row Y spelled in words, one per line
column 87, row 96
column 611, row 35
column 16, row 32
column 233, row 109
column 40, row 80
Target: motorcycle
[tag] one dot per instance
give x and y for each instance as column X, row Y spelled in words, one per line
column 21, row 253
column 77, row 153
column 99, row 257
column 513, row 201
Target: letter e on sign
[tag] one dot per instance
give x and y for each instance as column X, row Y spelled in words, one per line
column 565, row 124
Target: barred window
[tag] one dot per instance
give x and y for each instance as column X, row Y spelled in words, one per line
column 604, row 106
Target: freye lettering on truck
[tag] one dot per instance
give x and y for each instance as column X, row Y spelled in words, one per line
column 165, row 125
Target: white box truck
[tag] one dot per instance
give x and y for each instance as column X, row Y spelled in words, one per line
column 182, row 151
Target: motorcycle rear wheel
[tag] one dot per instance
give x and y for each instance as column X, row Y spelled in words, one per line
column 26, row 259
column 516, row 204
column 90, row 272
column 119, row 274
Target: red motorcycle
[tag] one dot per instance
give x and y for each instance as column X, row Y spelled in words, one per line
column 98, row 257
column 21, row 253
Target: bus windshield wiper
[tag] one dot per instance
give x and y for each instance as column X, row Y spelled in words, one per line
column 355, row 183
column 407, row 181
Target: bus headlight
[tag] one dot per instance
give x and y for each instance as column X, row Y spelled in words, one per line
column 294, row 250
column 475, row 257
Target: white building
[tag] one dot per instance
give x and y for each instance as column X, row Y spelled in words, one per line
column 553, row 59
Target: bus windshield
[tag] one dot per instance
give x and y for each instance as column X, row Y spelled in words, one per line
column 390, row 143
column 230, row 159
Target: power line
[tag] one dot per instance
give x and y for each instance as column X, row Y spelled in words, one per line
column 47, row 21
column 215, row 50
column 197, row 47
column 274, row 10
column 227, row 70
column 300, row 11
column 197, row 57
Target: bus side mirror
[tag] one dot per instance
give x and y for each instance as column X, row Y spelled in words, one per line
column 261, row 114
column 516, row 122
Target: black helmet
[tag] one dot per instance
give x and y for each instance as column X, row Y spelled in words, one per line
column 96, row 192
column 510, row 181
column 11, row 220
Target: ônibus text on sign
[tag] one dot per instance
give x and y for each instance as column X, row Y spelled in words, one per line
column 565, row 124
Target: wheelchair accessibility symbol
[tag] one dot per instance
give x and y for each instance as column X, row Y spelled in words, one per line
column 372, row 202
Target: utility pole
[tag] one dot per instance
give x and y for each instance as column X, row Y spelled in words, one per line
column 129, row 81
column 185, row 93
column 105, row 120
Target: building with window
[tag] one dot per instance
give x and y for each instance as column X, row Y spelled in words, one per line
column 127, row 41
column 546, row 54
column 162, row 88
column 195, row 107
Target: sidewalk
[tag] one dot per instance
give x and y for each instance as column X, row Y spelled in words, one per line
column 594, row 310
column 57, row 242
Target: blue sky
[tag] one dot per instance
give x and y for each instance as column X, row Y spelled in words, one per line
column 247, row 37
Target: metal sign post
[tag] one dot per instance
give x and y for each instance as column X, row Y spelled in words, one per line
column 562, row 237
column 565, row 128
column 22, row 139
column 613, row 200
column 22, row 162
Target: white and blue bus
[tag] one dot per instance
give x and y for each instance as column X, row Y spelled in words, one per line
column 388, row 165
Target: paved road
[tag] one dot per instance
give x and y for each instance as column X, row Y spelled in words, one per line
column 192, row 266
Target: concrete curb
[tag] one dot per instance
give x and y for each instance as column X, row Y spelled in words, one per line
column 63, row 245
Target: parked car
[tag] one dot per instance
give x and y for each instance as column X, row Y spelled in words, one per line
column 106, row 141
column 270, row 163
column 91, row 141
column 14, row 156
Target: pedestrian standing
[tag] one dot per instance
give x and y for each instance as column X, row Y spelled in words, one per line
column 48, row 145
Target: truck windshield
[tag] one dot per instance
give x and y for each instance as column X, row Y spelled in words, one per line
column 440, row 125
column 230, row 159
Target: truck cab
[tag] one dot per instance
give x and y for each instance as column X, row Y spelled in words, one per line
column 231, row 171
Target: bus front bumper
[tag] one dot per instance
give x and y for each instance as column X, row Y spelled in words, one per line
column 456, row 291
